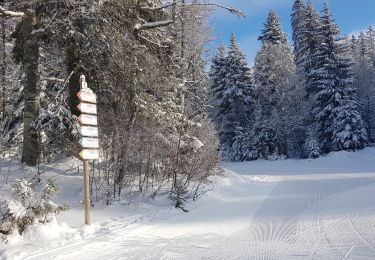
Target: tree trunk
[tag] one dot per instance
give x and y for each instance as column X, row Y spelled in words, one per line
column 31, row 150
column 74, row 69
column 3, row 68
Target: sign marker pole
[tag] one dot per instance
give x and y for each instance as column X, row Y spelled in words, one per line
column 86, row 166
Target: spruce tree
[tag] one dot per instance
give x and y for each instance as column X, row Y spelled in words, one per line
column 273, row 72
column 298, row 24
column 370, row 38
column 310, row 46
column 364, row 78
column 272, row 32
column 238, row 97
column 218, row 73
column 232, row 87
column 340, row 126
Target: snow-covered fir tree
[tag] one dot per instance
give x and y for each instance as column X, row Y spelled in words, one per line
column 272, row 32
column 340, row 125
column 298, row 19
column 274, row 71
column 232, row 85
column 309, row 46
column 218, row 73
column 364, row 77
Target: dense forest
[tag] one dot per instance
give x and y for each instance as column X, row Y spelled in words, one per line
column 299, row 101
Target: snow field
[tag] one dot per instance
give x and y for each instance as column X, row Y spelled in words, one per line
column 292, row 209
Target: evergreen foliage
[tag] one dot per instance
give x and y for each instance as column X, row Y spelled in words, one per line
column 298, row 19
column 233, row 92
column 340, row 126
column 272, row 32
column 273, row 72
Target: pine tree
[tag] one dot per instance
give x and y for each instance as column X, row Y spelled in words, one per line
column 238, row 96
column 298, row 25
column 232, row 86
column 309, row 48
column 370, row 38
column 364, row 78
column 218, row 73
column 310, row 45
column 273, row 72
column 272, row 32
column 340, row 126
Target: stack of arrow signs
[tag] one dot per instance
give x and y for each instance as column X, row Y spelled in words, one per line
column 88, row 125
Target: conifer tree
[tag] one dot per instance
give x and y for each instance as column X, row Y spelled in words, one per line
column 272, row 32
column 273, row 72
column 298, row 20
column 340, row 126
column 238, row 96
column 232, row 86
column 310, row 45
column 218, row 73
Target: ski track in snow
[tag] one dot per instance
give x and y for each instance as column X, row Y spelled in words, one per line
column 302, row 217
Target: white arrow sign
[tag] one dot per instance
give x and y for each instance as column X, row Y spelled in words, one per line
column 87, row 142
column 87, row 108
column 89, row 154
column 85, row 119
column 89, row 131
column 86, row 96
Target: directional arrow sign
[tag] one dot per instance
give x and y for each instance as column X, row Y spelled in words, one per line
column 87, row 142
column 89, row 131
column 87, row 108
column 85, row 119
column 86, row 96
column 89, row 154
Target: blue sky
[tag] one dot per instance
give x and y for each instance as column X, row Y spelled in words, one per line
column 351, row 15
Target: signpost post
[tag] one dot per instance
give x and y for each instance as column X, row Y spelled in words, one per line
column 89, row 141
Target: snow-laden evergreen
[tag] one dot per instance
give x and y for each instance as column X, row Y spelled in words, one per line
column 309, row 46
column 298, row 19
column 233, row 95
column 340, row 126
column 272, row 32
column 218, row 75
column 273, row 72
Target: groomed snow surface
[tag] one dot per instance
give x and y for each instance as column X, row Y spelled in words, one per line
column 292, row 209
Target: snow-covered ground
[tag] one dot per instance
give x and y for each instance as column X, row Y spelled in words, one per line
column 292, row 209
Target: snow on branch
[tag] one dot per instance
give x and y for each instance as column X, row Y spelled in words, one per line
column 155, row 8
column 231, row 9
column 152, row 24
column 54, row 79
column 4, row 12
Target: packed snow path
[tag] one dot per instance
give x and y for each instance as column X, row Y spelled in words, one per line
column 320, row 209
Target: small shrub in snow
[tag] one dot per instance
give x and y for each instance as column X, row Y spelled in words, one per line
column 179, row 195
column 311, row 149
column 27, row 206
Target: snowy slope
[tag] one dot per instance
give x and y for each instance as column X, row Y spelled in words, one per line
column 292, row 209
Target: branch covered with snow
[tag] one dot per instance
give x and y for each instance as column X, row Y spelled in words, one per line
column 7, row 13
column 151, row 25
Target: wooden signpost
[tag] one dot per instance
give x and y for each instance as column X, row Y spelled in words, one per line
column 85, row 119
column 89, row 141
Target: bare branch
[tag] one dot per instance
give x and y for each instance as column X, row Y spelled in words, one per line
column 151, row 25
column 53, row 79
column 7, row 13
column 155, row 8
column 232, row 10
